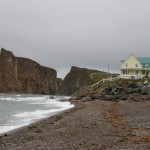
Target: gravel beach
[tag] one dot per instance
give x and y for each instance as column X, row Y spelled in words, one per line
column 90, row 125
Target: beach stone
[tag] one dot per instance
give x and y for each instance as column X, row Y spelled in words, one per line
column 145, row 82
column 140, row 133
column 130, row 90
column 52, row 97
column 87, row 98
column 148, row 92
column 139, row 84
column 124, row 97
column 144, row 91
column 114, row 89
column 121, row 89
column 110, row 97
column 137, row 90
column 130, row 97
column 132, row 85
column 96, row 96
column 145, row 97
column 118, row 93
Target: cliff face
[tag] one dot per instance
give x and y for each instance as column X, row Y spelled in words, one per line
column 75, row 79
column 23, row 75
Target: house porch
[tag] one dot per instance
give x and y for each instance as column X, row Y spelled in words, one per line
column 135, row 73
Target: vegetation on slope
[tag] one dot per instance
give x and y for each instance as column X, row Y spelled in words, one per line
column 97, row 76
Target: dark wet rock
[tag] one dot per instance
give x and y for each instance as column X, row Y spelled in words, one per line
column 87, row 98
column 51, row 97
column 130, row 97
column 145, row 82
column 148, row 91
column 96, row 96
column 139, row 84
column 132, row 85
column 125, row 91
column 130, row 90
column 137, row 90
column 144, row 91
column 145, row 97
column 124, row 97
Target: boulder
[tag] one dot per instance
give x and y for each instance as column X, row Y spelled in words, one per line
column 130, row 90
column 96, row 96
column 148, row 91
column 124, row 97
column 144, row 90
column 137, row 90
column 87, row 98
column 132, row 85
column 145, row 82
column 139, row 84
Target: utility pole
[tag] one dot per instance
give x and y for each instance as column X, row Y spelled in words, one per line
column 108, row 70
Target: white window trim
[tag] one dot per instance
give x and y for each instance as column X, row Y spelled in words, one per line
column 127, row 72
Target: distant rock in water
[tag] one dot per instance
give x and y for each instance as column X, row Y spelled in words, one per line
column 75, row 79
column 22, row 75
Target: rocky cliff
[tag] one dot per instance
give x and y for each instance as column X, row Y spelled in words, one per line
column 23, row 75
column 75, row 79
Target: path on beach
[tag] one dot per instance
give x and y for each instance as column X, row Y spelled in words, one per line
column 89, row 125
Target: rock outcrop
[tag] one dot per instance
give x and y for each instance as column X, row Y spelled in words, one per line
column 125, row 90
column 22, row 75
column 75, row 79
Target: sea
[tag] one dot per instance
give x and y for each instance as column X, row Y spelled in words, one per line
column 18, row 110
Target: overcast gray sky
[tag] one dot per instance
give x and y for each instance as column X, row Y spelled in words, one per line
column 84, row 33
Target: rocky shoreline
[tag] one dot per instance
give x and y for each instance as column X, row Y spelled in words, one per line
column 125, row 90
column 97, row 125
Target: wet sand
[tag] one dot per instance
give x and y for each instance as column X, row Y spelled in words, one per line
column 89, row 125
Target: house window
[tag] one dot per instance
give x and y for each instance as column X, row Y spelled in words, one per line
column 126, row 65
column 136, row 72
column 146, row 65
column 136, row 65
column 125, row 72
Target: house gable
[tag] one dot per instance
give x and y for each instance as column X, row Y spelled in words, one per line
column 131, row 63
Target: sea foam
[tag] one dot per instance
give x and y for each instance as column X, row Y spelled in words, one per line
column 21, row 110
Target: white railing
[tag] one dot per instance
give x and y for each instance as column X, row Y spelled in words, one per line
column 91, row 75
column 125, row 76
column 103, row 81
column 94, row 85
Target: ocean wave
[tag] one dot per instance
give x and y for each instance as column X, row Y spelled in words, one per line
column 47, row 106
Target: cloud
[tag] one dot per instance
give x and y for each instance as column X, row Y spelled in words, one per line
column 83, row 33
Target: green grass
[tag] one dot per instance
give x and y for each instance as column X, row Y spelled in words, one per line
column 99, row 76
column 137, row 80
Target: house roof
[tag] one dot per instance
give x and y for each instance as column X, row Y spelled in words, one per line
column 122, row 61
column 144, row 60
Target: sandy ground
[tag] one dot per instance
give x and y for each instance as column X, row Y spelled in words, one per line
column 90, row 125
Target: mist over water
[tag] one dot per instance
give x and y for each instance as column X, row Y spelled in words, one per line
column 20, row 110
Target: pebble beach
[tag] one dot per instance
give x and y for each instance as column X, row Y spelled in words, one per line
column 90, row 125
